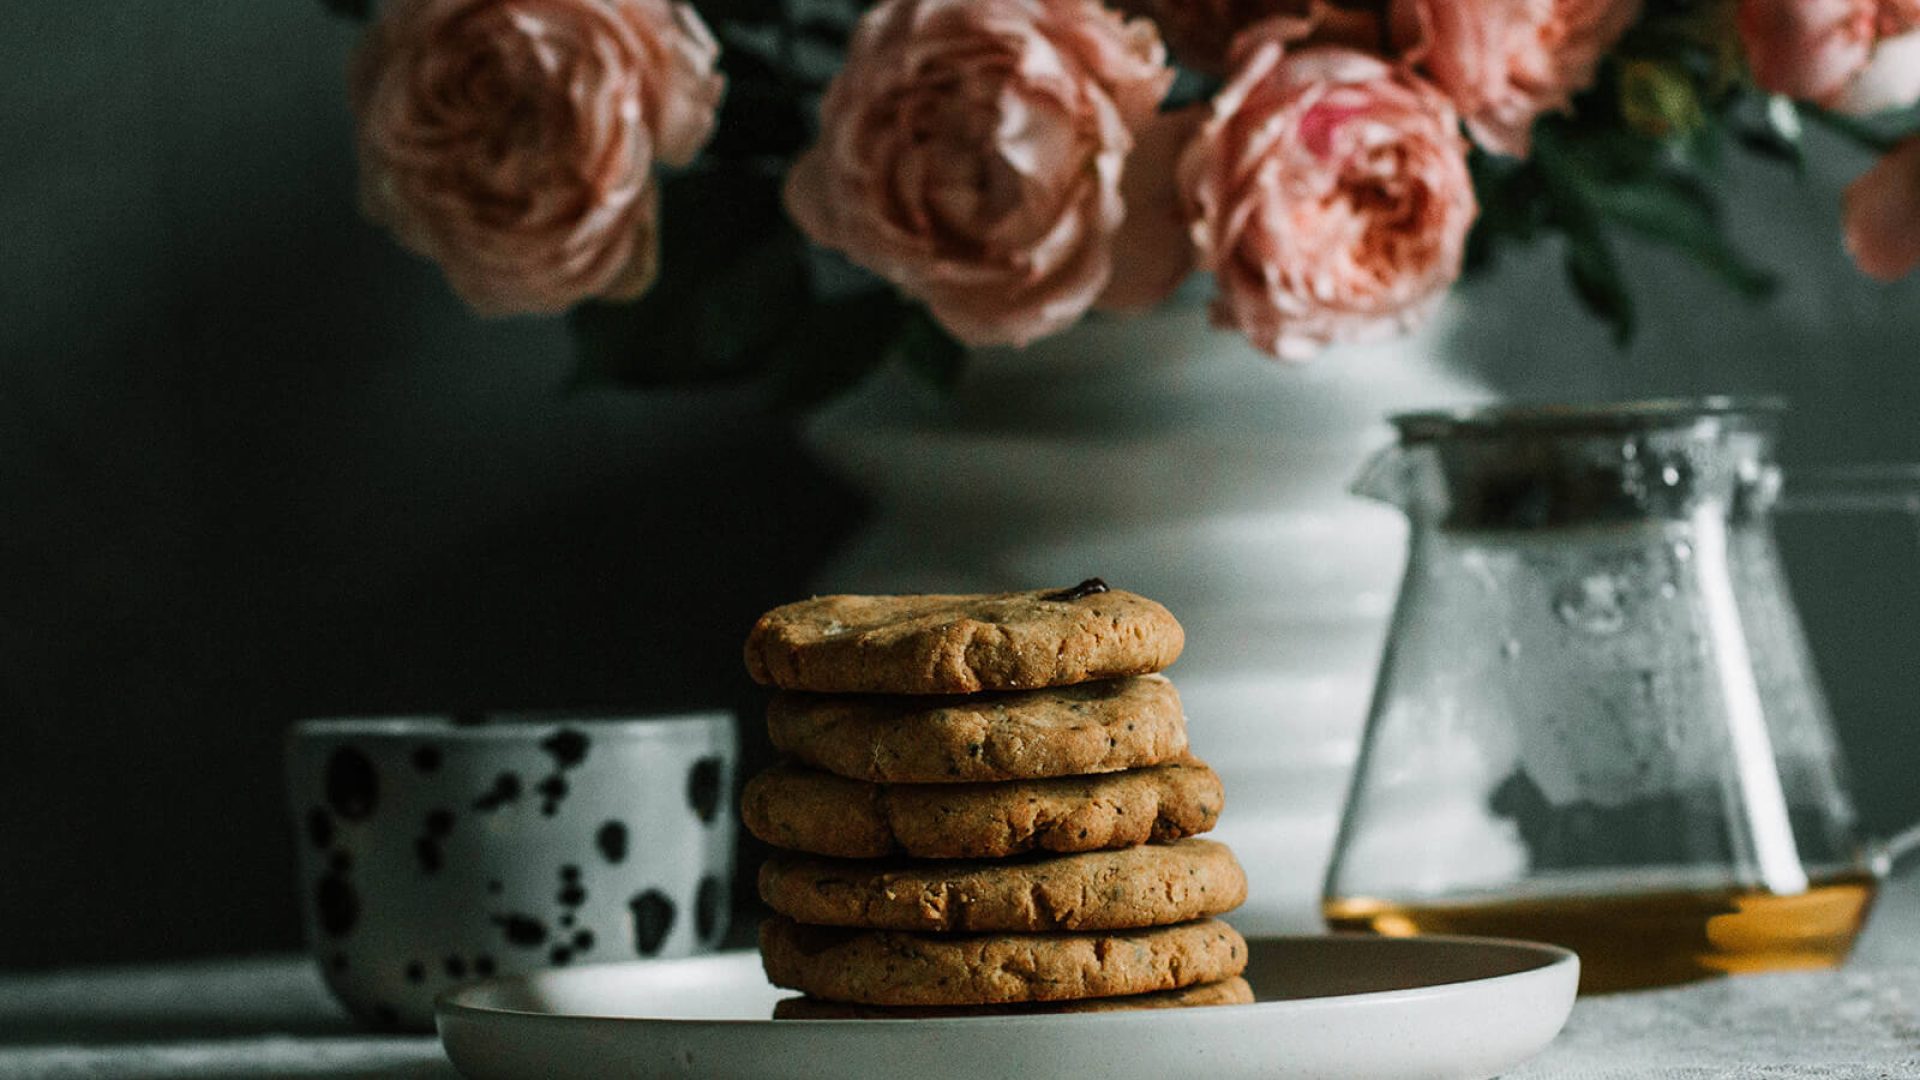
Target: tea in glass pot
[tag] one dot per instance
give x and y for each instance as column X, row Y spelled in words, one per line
column 1597, row 721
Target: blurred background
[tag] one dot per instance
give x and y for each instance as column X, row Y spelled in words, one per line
column 257, row 463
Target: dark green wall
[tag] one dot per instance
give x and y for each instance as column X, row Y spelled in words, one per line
column 255, row 463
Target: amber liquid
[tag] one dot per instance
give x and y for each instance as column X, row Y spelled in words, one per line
column 1636, row 941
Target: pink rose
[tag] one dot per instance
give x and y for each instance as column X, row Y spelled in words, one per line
column 1852, row 56
column 1329, row 195
column 1505, row 62
column 513, row 141
column 972, row 151
column 1883, row 214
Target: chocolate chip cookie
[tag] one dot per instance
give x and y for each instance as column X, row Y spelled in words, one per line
column 1152, row 885
column 1234, row 991
column 801, row 809
column 887, row 967
column 1095, row 727
column 961, row 644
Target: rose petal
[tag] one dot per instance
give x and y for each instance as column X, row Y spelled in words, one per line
column 1891, row 79
column 1882, row 214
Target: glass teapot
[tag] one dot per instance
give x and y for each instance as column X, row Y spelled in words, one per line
column 1597, row 721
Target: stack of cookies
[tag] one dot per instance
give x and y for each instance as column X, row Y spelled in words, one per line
column 987, row 806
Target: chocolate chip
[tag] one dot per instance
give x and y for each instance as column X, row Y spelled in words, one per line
column 1093, row 586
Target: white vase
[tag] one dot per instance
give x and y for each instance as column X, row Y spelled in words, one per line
column 1172, row 460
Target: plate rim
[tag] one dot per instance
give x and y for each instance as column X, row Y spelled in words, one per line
column 448, row 1004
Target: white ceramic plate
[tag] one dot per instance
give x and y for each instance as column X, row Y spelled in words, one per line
column 1330, row 1007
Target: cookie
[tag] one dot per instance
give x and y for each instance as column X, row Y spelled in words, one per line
column 887, row 967
column 1094, row 727
column 802, row 809
column 1152, row 885
column 1234, row 991
column 961, row 644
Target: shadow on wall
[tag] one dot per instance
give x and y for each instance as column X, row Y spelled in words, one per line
column 258, row 464
column 1836, row 344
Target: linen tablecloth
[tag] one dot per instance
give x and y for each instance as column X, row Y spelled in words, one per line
column 271, row 1018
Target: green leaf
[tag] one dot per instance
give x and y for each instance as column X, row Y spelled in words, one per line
column 1592, row 267
column 1597, row 281
column 1683, row 216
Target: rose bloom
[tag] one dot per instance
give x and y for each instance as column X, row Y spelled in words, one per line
column 1883, row 214
column 1851, row 56
column 1329, row 195
column 1504, row 62
column 971, row 152
column 513, row 141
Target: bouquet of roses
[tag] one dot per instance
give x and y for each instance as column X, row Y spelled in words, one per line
column 813, row 186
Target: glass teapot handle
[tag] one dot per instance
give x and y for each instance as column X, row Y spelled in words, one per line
column 1862, row 489
column 1890, row 853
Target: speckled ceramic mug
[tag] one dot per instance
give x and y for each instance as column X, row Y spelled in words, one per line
column 433, row 852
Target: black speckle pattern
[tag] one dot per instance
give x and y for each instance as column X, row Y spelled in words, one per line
column 505, row 789
column 353, row 785
column 560, row 955
column 416, row 972
column 426, row 759
column 484, row 966
column 319, row 828
column 386, row 1016
column 612, row 842
column 522, row 930
column 336, row 904
column 439, row 822
column 494, row 888
column 572, row 893
column 426, row 850
column 583, row 939
column 340, row 861
column 567, row 746
column 709, row 904
column 456, row 967
column 703, row 788
column 553, row 791
column 652, row 921
column 339, row 961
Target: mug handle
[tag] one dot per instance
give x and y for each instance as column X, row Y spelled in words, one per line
column 1862, row 489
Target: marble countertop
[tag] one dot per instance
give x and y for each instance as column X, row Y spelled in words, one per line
column 270, row 1017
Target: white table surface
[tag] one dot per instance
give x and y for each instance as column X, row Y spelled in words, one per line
column 270, row 1017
